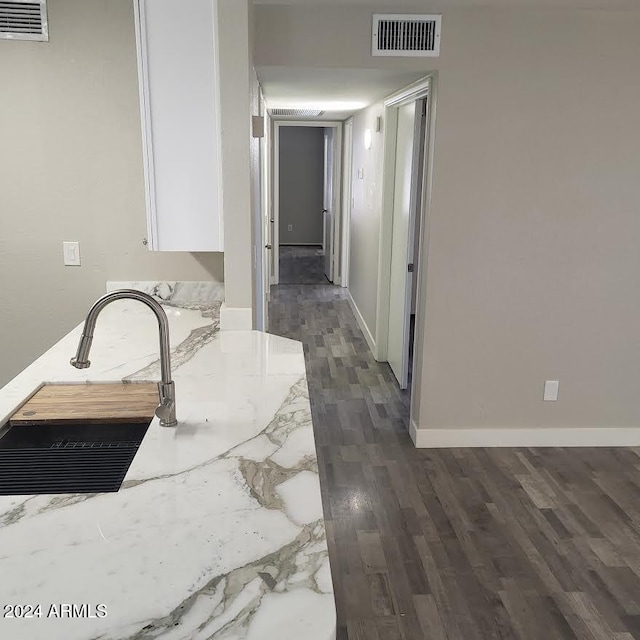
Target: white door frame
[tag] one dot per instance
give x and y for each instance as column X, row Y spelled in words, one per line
column 400, row 369
column 347, row 194
column 328, row 200
column 337, row 175
column 257, row 225
column 263, row 239
column 421, row 89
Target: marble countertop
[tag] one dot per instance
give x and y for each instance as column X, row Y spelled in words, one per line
column 217, row 531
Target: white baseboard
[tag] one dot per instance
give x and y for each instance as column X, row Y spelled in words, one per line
column 543, row 437
column 362, row 324
column 236, row 318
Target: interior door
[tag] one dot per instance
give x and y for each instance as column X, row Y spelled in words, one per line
column 327, row 203
column 257, row 213
column 404, row 211
column 265, row 165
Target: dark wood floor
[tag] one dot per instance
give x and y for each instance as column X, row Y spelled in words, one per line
column 457, row 544
column 301, row 265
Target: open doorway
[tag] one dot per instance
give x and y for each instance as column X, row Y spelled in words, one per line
column 301, row 193
column 406, row 220
column 307, row 212
column 405, row 199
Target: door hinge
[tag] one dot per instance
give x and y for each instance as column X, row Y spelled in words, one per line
column 410, row 267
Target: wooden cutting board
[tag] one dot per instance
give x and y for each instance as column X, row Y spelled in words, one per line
column 89, row 403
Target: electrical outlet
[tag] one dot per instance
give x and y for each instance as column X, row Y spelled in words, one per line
column 551, row 388
column 71, row 254
column 290, row 227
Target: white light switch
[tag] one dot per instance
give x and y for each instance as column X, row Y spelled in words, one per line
column 551, row 388
column 71, row 253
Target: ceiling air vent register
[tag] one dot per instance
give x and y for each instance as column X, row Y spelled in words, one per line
column 298, row 113
column 406, row 35
column 23, row 20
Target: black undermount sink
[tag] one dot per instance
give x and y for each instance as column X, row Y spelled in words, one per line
column 67, row 458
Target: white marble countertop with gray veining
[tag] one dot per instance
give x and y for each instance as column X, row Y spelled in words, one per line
column 217, row 531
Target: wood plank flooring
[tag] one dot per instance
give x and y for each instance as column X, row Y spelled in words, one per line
column 457, row 544
column 301, row 265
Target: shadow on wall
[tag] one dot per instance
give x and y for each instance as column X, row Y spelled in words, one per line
column 212, row 263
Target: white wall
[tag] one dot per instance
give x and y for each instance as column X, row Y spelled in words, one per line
column 365, row 216
column 534, row 228
column 236, row 81
column 71, row 169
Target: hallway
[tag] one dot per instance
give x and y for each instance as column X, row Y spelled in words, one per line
column 457, row 544
column 301, row 265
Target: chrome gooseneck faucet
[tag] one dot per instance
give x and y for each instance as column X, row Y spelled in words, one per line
column 166, row 410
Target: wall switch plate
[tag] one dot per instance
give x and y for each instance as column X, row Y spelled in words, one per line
column 361, row 174
column 551, row 388
column 71, row 253
column 290, row 227
column 257, row 126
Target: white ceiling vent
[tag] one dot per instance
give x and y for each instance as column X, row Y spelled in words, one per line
column 406, row 35
column 298, row 113
column 23, row 20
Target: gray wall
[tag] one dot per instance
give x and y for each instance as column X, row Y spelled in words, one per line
column 535, row 217
column 301, row 184
column 71, row 169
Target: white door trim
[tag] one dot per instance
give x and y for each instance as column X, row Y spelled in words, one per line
column 347, row 191
column 275, row 252
column 401, row 368
column 261, row 234
column 412, row 92
column 421, row 89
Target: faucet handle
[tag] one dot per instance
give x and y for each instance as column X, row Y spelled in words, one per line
column 167, row 413
column 166, row 410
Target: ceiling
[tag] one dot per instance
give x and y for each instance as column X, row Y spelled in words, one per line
column 338, row 92
column 440, row 5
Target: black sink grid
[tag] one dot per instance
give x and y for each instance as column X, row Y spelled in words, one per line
column 69, row 458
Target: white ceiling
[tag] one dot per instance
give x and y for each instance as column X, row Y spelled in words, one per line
column 339, row 92
column 440, row 5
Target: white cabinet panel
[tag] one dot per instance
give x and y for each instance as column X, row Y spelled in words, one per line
column 178, row 73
